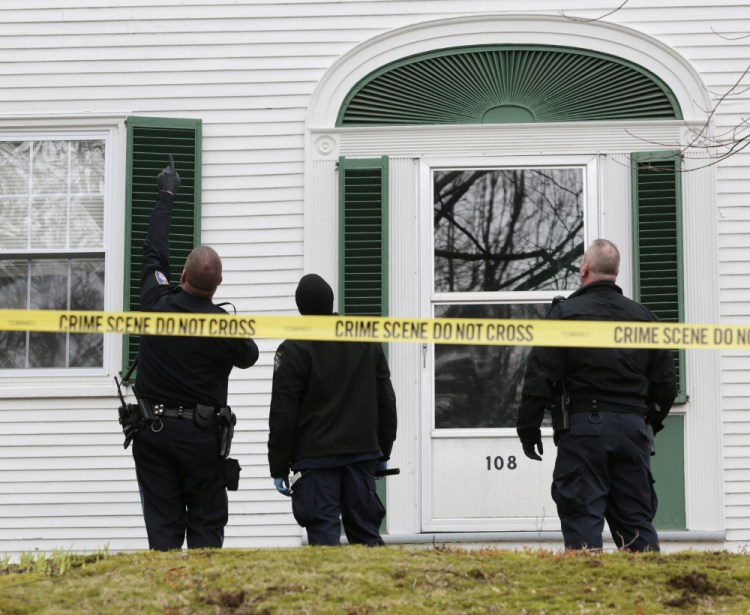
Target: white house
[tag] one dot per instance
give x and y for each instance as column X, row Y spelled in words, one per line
column 442, row 158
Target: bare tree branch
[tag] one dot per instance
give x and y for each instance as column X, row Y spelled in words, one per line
column 729, row 38
column 718, row 147
column 582, row 19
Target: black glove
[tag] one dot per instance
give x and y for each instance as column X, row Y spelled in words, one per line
column 655, row 416
column 531, row 445
column 130, row 432
column 169, row 179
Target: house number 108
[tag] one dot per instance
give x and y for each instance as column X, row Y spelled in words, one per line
column 498, row 463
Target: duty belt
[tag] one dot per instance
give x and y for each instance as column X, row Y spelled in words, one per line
column 178, row 412
column 597, row 405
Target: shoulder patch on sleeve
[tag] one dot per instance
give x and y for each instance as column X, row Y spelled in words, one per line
column 277, row 360
column 161, row 279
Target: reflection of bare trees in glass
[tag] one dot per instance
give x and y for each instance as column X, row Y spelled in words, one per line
column 499, row 231
column 13, row 296
column 52, row 197
column 54, row 284
column 86, row 293
column 504, row 230
column 14, row 167
column 480, row 386
column 48, row 291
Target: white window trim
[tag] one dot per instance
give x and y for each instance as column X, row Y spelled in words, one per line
column 80, row 382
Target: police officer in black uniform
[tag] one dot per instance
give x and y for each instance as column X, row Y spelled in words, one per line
column 603, row 465
column 333, row 423
column 179, row 468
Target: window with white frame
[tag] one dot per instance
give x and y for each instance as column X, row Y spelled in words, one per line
column 52, row 245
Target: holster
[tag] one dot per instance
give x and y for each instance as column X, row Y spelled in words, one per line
column 227, row 421
column 653, row 438
column 147, row 413
column 129, row 415
column 232, row 471
column 559, row 410
column 130, row 419
column 205, row 416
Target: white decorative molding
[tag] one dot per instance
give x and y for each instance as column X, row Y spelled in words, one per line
column 408, row 145
column 494, row 29
column 326, row 146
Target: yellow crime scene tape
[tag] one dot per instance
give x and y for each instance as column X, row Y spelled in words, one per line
column 496, row 332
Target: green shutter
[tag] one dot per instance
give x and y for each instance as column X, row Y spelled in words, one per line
column 658, row 284
column 657, row 232
column 507, row 84
column 150, row 142
column 363, row 236
column 363, row 245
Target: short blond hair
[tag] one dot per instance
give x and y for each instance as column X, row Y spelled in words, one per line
column 602, row 257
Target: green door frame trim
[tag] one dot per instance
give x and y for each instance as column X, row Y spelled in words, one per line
column 668, row 471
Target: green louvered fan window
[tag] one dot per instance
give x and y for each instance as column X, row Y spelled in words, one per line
column 363, row 237
column 150, row 142
column 657, row 232
column 507, row 84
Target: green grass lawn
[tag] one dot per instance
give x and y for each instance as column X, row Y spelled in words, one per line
column 358, row 580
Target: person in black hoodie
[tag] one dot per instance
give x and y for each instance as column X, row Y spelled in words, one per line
column 333, row 423
column 603, row 465
column 178, row 464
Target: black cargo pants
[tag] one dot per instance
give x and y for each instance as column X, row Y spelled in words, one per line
column 181, row 479
column 325, row 498
column 603, row 471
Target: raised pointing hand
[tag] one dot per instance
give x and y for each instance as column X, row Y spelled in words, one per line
column 169, row 180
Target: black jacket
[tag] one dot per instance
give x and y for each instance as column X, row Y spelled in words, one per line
column 329, row 398
column 632, row 377
column 181, row 370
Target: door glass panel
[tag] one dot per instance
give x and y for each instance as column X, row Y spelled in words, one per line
column 500, row 232
column 507, row 229
column 480, row 386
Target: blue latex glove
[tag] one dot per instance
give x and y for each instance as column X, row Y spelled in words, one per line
column 282, row 486
column 379, row 467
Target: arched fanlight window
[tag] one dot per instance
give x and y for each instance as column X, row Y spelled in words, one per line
column 507, row 84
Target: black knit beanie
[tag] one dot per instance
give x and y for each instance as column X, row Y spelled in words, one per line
column 314, row 296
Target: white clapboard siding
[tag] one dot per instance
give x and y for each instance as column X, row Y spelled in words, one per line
column 248, row 69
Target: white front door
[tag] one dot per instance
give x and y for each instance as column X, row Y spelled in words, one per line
column 500, row 241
